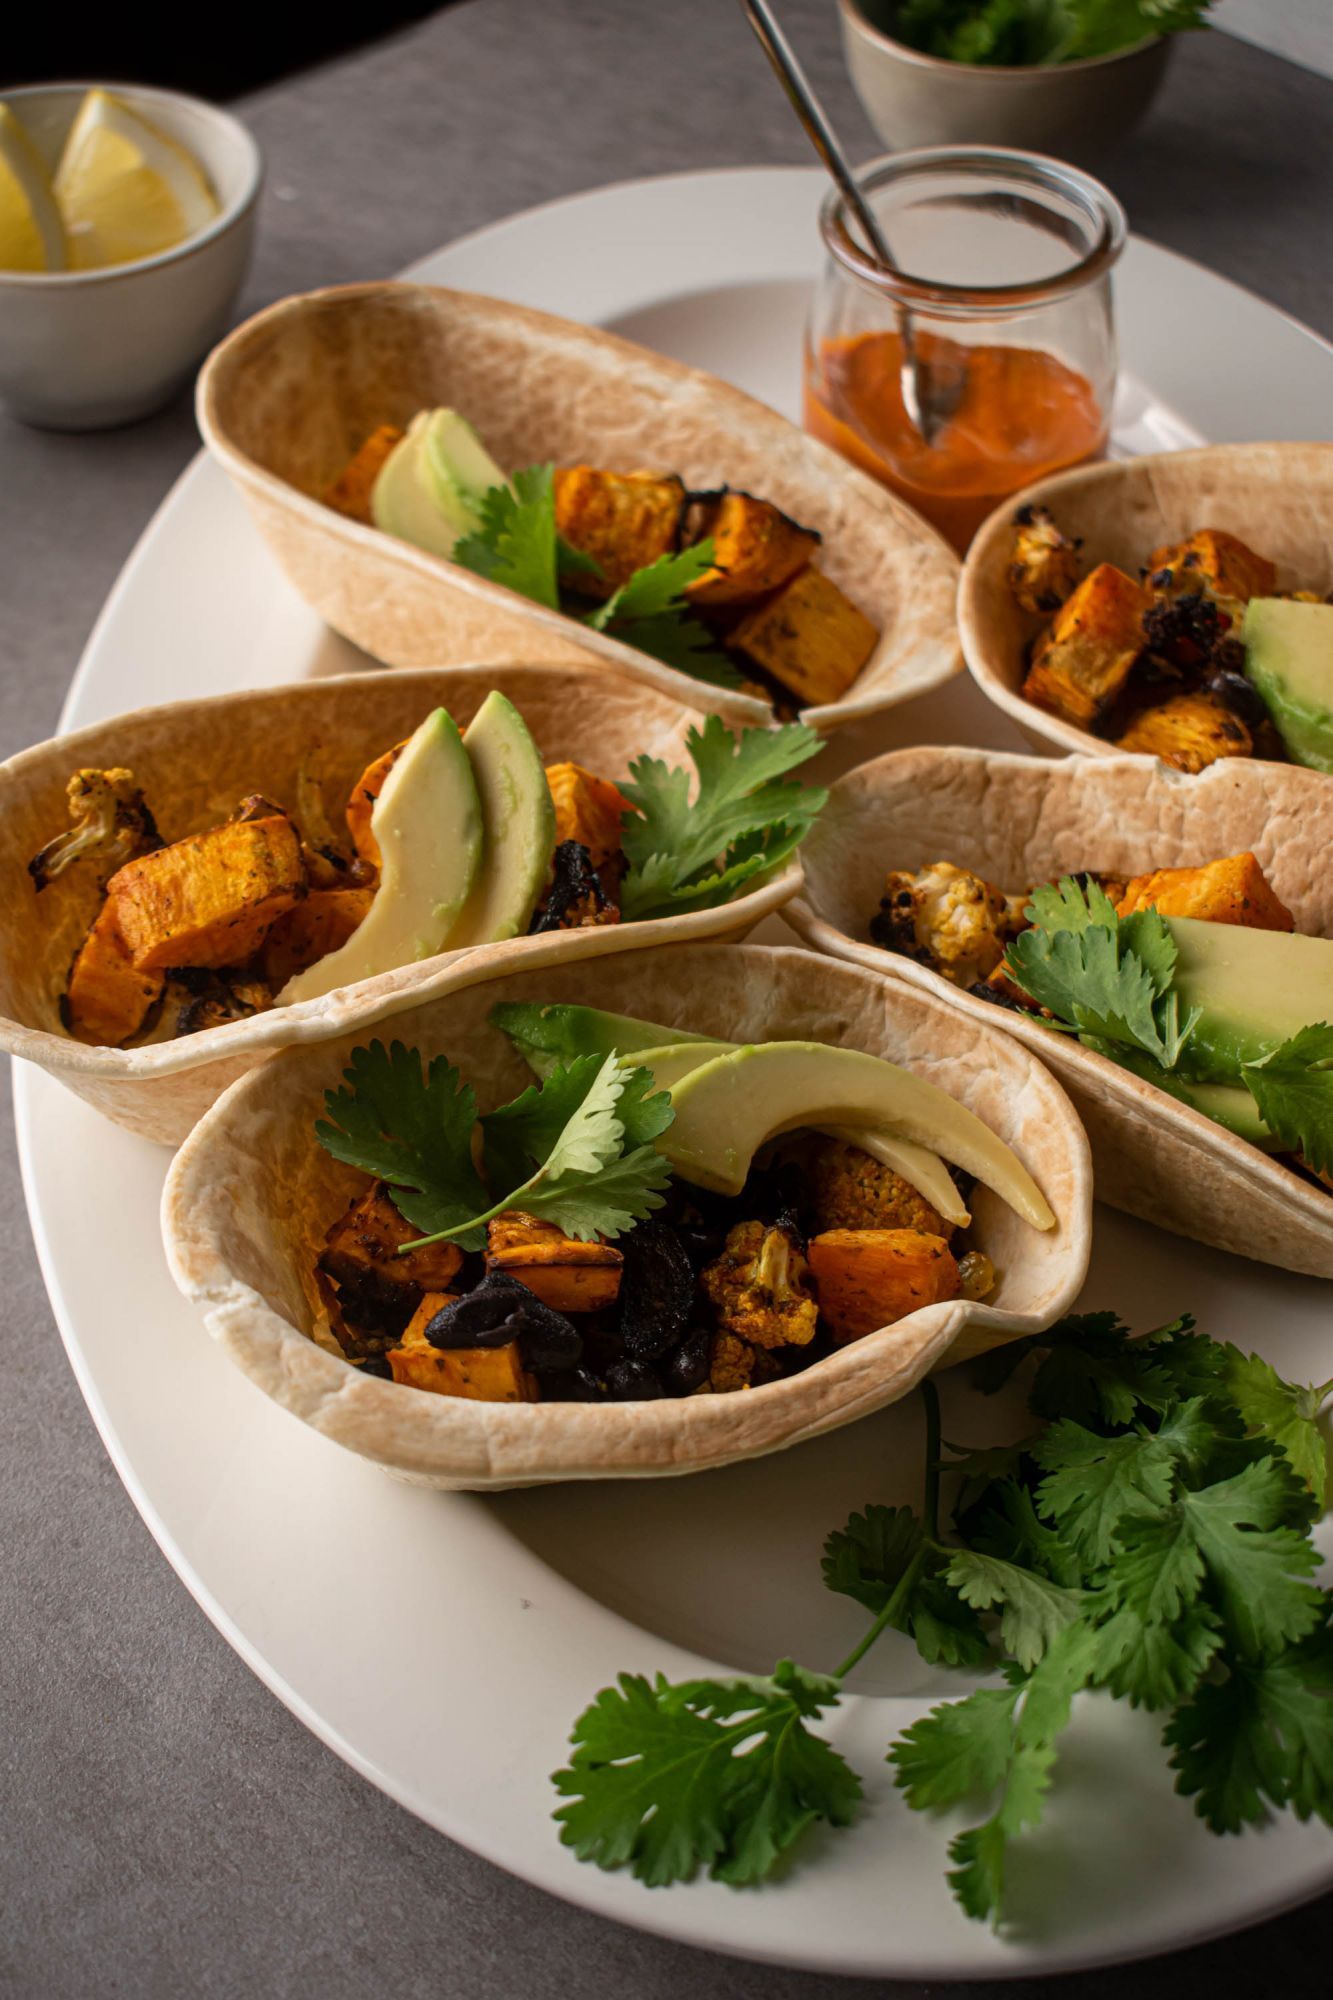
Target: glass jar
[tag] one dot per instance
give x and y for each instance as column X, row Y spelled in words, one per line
column 1007, row 260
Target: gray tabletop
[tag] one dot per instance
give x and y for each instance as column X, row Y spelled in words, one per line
column 169, row 1828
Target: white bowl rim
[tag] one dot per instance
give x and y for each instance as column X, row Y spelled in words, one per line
column 191, row 245
column 854, row 16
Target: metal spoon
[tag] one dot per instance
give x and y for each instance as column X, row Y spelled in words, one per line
column 930, row 396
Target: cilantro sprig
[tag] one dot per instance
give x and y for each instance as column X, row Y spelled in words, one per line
column 745, row 817
column 516, row 544
column 1109, row 980
column 1150, row 1543
column 577, row 1149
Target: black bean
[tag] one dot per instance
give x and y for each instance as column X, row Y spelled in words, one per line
column 1237, row 694
column 631, row 1381
column 656, row 1290
column 501, row 1309
column 684, row 1370
column 575, row 1385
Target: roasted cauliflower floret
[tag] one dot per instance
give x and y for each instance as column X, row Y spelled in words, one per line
column 947, row 918
column 759, row 1287
column 1043, row 569
column 111, row 823
column 850, row 1190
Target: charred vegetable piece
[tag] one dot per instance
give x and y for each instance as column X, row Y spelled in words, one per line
column 500, row 1309
column 947, row 918
column 853, row 1191
column 759, row 1288
column 209, row 900
column 1044, row 567
column 588, row 809
column 1183, row 633
column 564, row 1273
column 112, row 823
column 868, row 1278
column 217, row 999
column 489, row 1374
column 1231, row 891
column 657, row 1290
column 361, row 803
column 756, row 547
column 576, row 900
column 1218, row 563
column 1081, row 665
column 321, row 923
column 1190, row 732
column 730, row 1364
column 809, row 636
column 350, row 492
column 370, row 1236
column 108, row 999
column 621, row 520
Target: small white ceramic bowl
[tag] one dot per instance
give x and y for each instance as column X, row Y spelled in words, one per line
column 83, row 350
column 1075, row 111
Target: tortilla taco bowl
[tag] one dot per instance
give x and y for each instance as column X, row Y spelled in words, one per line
column 251, row 1194
column 1019, row 821
column 1277, row 498
column 286, row 400
column 195, row 759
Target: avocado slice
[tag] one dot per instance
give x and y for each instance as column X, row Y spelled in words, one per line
column 430, row 487
column 1289, row 657
column 729, row 1106
column 518, row 825
column 1231, row 1105
column 546, row 1036
column 1255, row 990
column 427, row 821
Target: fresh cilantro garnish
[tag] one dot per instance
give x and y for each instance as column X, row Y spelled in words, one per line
column 1101, row 975
column 1023, row 33
column 650, row 611
column 515, row 544
column 1293, row 1088
column 694, row 852
column 576, row 1149
column 1150, row 1541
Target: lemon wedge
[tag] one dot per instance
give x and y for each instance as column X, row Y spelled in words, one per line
column 125, row 189
column 32, row 236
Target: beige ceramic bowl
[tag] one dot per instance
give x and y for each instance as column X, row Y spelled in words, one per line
column 251, row 1195
column 83, row 350
column 288, row 397
column 195, row 759
column 1022, row 820
column 1076, row 111
column 1277, row 497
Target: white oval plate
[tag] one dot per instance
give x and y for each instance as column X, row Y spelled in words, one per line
column 494, row 1621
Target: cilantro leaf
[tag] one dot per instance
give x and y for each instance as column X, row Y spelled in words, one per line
column 1094, row 1371
column 1293, row 1088
column 717, row 1774
column 1283, row 1412
column 515, row 544
column 1033, row 1610
column 1155, row 1665
column 868, row 1560
column 1092, row 1482
column 605, row 1203
column 960, row 1750
column 680, row 640
column 520, row 1135
column 657, row 587
column 1262, row 1736
column 745, row 817
column 411, row 1130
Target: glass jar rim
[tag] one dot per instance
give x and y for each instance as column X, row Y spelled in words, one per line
column 1034, row 170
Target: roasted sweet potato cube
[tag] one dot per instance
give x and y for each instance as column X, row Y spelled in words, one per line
column 867, row 1278
column 310, row 930
column 1191, row 731
column 622, row 520
column 809, row 636
column 371, row 1233
column 1234, row 890
column 1080, row 666
column 573, row 1277
column 211, row 899
column 350, row 492
column 588, row 809
column 1218, row 563
column 487, row 1374
column 361, row 803
column 756, row 548
column 108, row 998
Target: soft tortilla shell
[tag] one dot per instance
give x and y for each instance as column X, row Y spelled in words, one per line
column 251, row 1195
column 197, row 759
column 288, row 397
column 1277, row 497
column 1022, row 820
